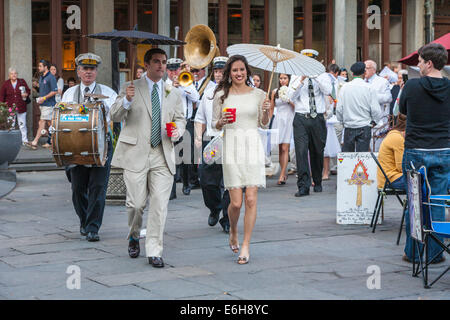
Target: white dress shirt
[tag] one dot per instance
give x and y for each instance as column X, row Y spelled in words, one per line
column 188, row 95
column 300, row 95
column 383, row 90
column 205, row 111
column 150, row 83
column 106, row 91
column 357, row 105
column 381, row 86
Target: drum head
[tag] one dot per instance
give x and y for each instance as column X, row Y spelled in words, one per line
column 101, row 135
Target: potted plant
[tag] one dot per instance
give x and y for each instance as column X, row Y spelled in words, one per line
column 10, row 139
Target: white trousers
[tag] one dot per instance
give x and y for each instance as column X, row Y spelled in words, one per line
column 155, row 181
column 22, row 119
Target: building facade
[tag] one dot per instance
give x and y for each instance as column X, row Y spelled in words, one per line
column 343, row 30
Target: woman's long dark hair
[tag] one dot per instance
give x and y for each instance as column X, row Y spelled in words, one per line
column 224, row 84
column 279, row 83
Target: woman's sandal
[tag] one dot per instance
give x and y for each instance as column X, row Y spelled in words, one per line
column 282, row 181
column 234, row 248
column 243, row 259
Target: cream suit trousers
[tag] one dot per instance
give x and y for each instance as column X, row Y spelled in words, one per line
column 155, row 181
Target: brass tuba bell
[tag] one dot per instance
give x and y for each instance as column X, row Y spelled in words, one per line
column 200, row 49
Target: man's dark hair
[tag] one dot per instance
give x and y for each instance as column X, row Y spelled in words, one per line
column 46, row 63
column 333, row 68
column 149, row 54
column 71, row 79
column 358, row 68
column 435, row 53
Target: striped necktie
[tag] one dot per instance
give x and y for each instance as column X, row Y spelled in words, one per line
column 312, row 99
column 156, row 118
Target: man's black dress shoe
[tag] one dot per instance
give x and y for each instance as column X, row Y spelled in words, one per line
column 317, row 188
column 186, row 191
column 302, row 193
column 92, row 236
column 213, row 218
column 196, row 186
column 83, row 231
column 156, row 262
column 133, row 248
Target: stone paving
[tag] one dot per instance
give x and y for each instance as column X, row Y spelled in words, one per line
column 298, row 251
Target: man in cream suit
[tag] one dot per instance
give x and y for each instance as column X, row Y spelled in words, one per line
column 146, row 152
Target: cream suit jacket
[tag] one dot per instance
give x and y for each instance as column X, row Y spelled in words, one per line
column 133, row 147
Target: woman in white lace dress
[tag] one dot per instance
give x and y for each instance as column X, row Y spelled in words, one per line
column 243, row 153
column 282, row 122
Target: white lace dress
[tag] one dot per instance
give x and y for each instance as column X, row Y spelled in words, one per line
column 243, row 160
column 283, row 121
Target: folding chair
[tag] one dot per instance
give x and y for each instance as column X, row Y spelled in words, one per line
column 430, row 230
column 387, row 190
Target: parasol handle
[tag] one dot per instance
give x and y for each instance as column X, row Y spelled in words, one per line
column 270, row 81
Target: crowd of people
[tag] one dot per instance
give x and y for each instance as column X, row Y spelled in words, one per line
column 309, row 119
column 46, row 91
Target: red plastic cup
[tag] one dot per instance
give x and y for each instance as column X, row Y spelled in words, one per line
column 170, row 126
column 233, row 113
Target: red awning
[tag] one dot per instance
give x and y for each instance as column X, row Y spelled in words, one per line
column 413, row 58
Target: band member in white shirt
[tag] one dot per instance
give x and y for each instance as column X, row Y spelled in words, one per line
column 189, row 96
column 211, row 176
column 89, row 183
column 310, row 131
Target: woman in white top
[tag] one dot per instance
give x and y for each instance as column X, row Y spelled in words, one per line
column 282, row 122
column 243, row 154
column 59, row 82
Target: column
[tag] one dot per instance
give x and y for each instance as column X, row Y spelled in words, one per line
column 415, row 25
column 101, row 19
column 345, row 32
column 164, row 24
column 281, row 23
column 18, row 49
column 195, row 12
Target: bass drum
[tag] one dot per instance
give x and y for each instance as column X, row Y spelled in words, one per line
column 79, row 134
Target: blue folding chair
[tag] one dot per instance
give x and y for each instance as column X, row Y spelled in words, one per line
column 424, row 229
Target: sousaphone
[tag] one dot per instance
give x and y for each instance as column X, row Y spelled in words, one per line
column 200, row 49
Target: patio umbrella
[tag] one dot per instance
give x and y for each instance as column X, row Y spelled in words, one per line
column 135, row 37
column 413, row 58
column 277, row 59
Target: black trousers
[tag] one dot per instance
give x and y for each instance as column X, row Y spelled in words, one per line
column 189, row 170
column 216, row 199
column 89, row 186
column 310, row 134
column 357, row 139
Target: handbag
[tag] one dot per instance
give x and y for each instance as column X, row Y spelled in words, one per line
column 213, row 150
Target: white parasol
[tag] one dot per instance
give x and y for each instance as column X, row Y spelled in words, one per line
column 277, row 59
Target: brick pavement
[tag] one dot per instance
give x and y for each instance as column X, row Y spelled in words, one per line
column 298, row 251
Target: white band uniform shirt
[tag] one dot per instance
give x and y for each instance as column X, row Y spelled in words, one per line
column 189, row 96
column 300, row 97
column 69, row 95
column 205, row 112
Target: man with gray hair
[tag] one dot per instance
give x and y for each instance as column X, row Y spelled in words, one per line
column 383, row 90
column 89, row 183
